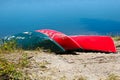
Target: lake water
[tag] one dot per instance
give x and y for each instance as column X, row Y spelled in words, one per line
column 72, row 17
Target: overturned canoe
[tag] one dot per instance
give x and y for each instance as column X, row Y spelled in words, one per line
column 93, row 43
column 32, row 40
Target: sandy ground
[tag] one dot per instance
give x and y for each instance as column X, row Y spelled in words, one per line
column 70, row 66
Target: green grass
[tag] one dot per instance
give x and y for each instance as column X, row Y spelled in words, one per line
column 13, row 70
column 9, row 71
column 23, row 61
column 8, row 47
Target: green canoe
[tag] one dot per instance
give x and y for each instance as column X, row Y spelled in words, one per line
column 32, row 40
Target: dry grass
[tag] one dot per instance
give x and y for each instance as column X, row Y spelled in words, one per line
column 113, row 77
column 116, row 38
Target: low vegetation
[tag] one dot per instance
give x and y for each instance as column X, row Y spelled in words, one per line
column 80, row 78
column 116, row 38
column 11, row 70
column 23, row 61
column 8, row 47
column 113, row 77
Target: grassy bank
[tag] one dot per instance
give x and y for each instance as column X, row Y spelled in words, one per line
column 19, row 64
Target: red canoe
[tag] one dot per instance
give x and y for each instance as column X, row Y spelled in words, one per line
column 95, row 43
column 65, row 41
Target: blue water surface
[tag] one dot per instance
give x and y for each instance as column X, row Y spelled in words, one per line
column 72, row 17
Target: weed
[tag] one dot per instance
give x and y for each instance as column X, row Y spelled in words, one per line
column 40, row 49
column 113, row 77
column 116, row 38
column 49, row 51
column 85, row 65
column 8, row 71
column 63, row 78
column 12, row 71
column 45, row 78
column 23, row 61
column 8, row 46
column 43, row 65
column 80, row 78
